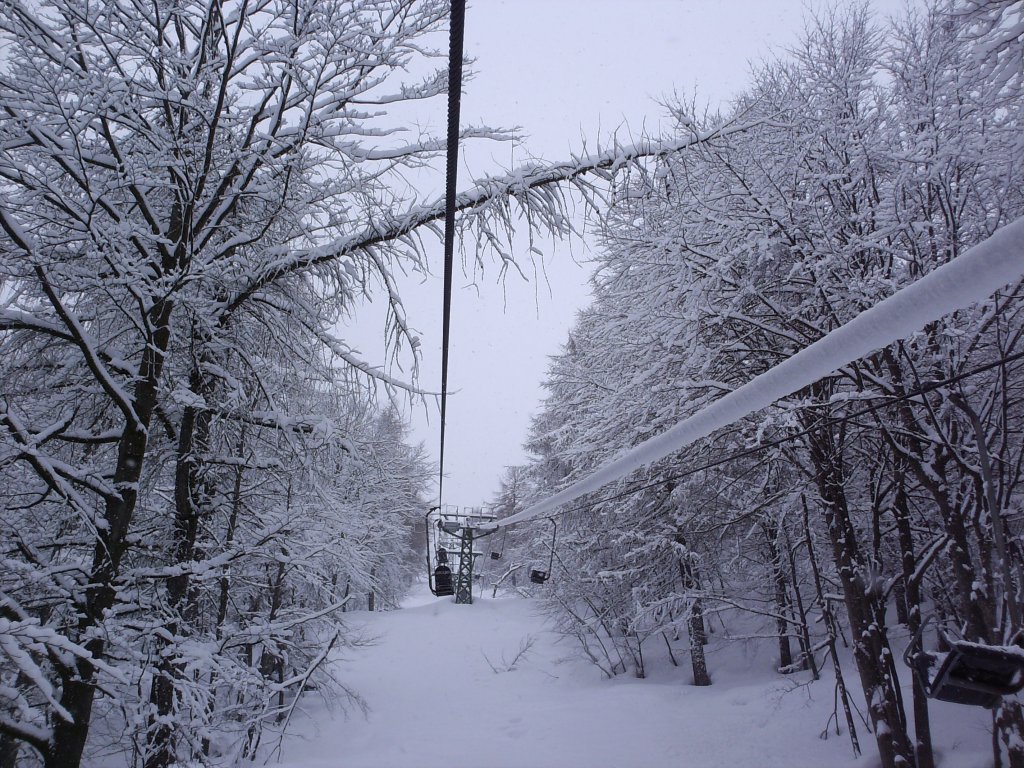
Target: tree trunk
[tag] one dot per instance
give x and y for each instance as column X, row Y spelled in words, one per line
column 229, row 538
column 806, row 646
column 161, row 751
column 695, row 625
column 224, row 583
column 771, row 535
column 832, row 632
column 371, row 597
column 865, row 606
column 695, row 622
column 9, row 749
column 1009, row 722
column 77, row 692
column 912, row 611
column 899, row 594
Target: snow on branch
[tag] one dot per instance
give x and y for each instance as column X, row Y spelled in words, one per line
column 486, row 190
column 968, row 279
column 18, row 639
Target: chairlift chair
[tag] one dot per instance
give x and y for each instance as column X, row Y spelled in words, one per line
column 539, row 575
column 978, row 675
column 496, row 554
column 439, row 574
column 971, row 673
column 443, row 586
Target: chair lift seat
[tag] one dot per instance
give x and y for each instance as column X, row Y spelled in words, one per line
column 443, row 586
column 979, row 675
column 495, row 555
column 537, row 575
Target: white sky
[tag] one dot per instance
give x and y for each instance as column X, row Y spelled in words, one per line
column 561, row 70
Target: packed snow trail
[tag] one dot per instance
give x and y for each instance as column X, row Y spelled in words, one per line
column 435, row 701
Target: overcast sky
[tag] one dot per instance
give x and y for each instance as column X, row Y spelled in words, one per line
column 561, row 70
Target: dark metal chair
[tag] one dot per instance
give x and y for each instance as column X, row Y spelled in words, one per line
column 443, row 586
column 974, row 674
column 539, row 575
column 978, row 675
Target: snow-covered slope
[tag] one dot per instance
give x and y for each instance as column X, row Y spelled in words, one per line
column 434, row 700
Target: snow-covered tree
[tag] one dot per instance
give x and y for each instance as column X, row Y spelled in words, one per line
column 875, row 155
column 193, row 195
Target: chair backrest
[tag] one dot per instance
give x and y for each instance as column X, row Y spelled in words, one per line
column 978, row 675
column 443, row 581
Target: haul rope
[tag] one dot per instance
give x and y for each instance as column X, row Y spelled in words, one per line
column 457, row 26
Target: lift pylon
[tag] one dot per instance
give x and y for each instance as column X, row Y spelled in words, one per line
column 454, row 532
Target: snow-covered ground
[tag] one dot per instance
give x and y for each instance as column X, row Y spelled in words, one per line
column 435, row 699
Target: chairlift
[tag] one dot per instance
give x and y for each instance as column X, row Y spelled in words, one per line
column 439, row 574
column 971, row 673
column 443, row 586
column 538, row 575
column 451, row 572
column 496, row 554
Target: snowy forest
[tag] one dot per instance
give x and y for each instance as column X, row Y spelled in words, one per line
column 882, row 499
column 203, row 481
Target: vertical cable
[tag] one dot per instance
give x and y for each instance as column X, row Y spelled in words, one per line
column 456, row 29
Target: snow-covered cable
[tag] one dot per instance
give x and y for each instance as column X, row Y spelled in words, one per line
column 968, row 279
column 846, row 417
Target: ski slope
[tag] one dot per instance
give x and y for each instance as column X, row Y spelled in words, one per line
column 434, row 700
